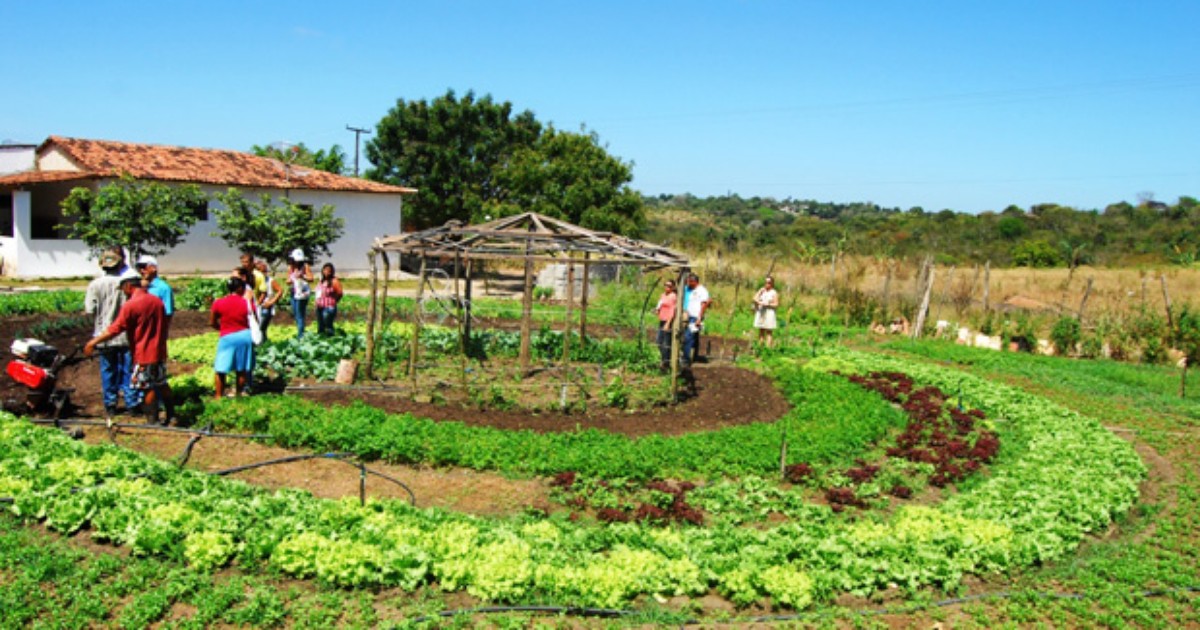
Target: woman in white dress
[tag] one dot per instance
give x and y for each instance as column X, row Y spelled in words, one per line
column 766, row 300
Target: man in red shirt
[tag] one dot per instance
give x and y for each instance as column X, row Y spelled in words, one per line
column 144, row 320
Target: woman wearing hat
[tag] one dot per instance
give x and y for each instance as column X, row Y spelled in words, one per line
column 300, row 277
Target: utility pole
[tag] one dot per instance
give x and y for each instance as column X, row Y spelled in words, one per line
column 357, row 132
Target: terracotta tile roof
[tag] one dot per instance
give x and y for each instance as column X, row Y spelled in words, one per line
column 105, row 158
column 40, row 177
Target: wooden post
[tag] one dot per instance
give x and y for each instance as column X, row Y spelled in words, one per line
column 371, row 306
column 526, row 311
column 924, row 308
column 1167, row 302
column 466, row 320
column 458, row 305
column 583, row 299
column 887, row 288
column 1083, row 303
column 945, row 289
column 568, row 326
column 416, row 333
column 679, row 284
column 987, row 285
column 387, row 278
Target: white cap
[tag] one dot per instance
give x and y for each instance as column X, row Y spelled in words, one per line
column 129, row 275
column 146, row 259
column 297, row 255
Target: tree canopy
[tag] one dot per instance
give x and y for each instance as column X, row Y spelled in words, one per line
column 471, row 157
column 571, row 177
column 144, row 217
column 332, row 160
column 271, row 228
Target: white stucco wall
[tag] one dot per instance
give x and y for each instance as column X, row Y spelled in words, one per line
column 42, row 258
column 367, row 216
column 54, row 160
column 16, row 157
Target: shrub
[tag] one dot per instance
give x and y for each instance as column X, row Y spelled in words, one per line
column 1065, row 335
column 198, row 295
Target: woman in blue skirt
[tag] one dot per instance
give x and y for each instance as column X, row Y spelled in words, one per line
column 235, row 349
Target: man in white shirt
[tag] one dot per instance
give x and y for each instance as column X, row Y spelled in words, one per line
column 695, row 306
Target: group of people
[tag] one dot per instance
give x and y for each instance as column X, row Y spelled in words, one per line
column 132, row 310
column 696, row 303
column 243, row 316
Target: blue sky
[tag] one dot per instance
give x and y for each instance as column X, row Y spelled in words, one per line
column 964, row 105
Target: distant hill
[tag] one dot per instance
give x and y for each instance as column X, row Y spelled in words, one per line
column 1045, row 235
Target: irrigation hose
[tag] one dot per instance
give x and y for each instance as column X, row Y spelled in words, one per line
column 187, row 450
column 890, row 610
column 343, row 457
column 206, row 432
column 281, row 460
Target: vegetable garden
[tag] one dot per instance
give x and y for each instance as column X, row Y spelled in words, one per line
column 896, row 477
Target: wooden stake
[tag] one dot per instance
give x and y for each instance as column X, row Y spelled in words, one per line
column 416, row 334
column 387, row 277
column 583, row 299
column 371, row 306
column 987, row 285
column 921, row 312
column 683, row 274
column 1167, row 302
column 887, row 287
column 567, row 325
column 526, row 311
column 1083, row 303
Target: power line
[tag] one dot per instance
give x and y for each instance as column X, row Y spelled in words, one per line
column 358, row 131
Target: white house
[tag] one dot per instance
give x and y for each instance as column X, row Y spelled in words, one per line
column 31, row 245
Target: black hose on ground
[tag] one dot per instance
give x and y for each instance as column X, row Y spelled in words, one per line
column 281, row 460
column 364, row 471
column 187, row 450
column 206, row 432
column 891, row 610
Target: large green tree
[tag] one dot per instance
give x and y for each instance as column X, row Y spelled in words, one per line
column 332, row 160
column 271, row 228
column 571, row 177
column 449, row 149
column 144, row 217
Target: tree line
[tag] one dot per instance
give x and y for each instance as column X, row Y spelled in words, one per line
column 1044, row 235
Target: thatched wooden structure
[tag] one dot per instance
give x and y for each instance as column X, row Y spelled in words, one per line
column 529, row 238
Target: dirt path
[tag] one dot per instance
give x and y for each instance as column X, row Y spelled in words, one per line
column 454, row 489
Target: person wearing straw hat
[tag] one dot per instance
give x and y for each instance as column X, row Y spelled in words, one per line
column 103, row 300
column 143, row 318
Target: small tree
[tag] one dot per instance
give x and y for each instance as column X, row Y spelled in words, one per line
column 1187, row 339
column 145, row 217
column 271, row 228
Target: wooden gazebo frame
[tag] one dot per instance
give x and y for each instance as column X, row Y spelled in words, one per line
column 528, row 237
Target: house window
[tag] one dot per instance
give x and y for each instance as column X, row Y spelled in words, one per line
column 6, row 214
column 199, row 210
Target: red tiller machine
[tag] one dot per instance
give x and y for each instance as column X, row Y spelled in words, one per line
column 35, row 365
